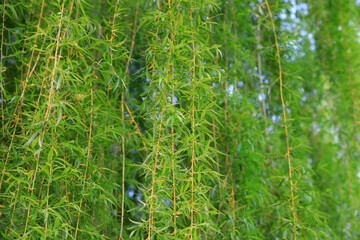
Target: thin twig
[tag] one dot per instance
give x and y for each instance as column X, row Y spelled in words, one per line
column 192, row 127
column 259, row 68
column 285, row 120
column 156, row 150
column 123, row 119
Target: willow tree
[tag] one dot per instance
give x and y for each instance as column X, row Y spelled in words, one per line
column 178, row 119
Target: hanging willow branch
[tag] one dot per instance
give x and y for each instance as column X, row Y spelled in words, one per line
column 285, row 120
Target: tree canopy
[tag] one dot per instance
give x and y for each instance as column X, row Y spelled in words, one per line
column 179, row 119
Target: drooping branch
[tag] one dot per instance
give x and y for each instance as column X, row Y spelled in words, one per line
column 285, row 120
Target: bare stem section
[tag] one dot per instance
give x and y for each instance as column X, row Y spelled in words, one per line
column 192, row 128
column 259, row 68
column 123, row 119
column 1, row 65
column 285, row 119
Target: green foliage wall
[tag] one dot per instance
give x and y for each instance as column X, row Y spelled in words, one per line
column 178, row 119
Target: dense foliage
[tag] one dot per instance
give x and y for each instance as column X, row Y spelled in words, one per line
column 179, row 119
